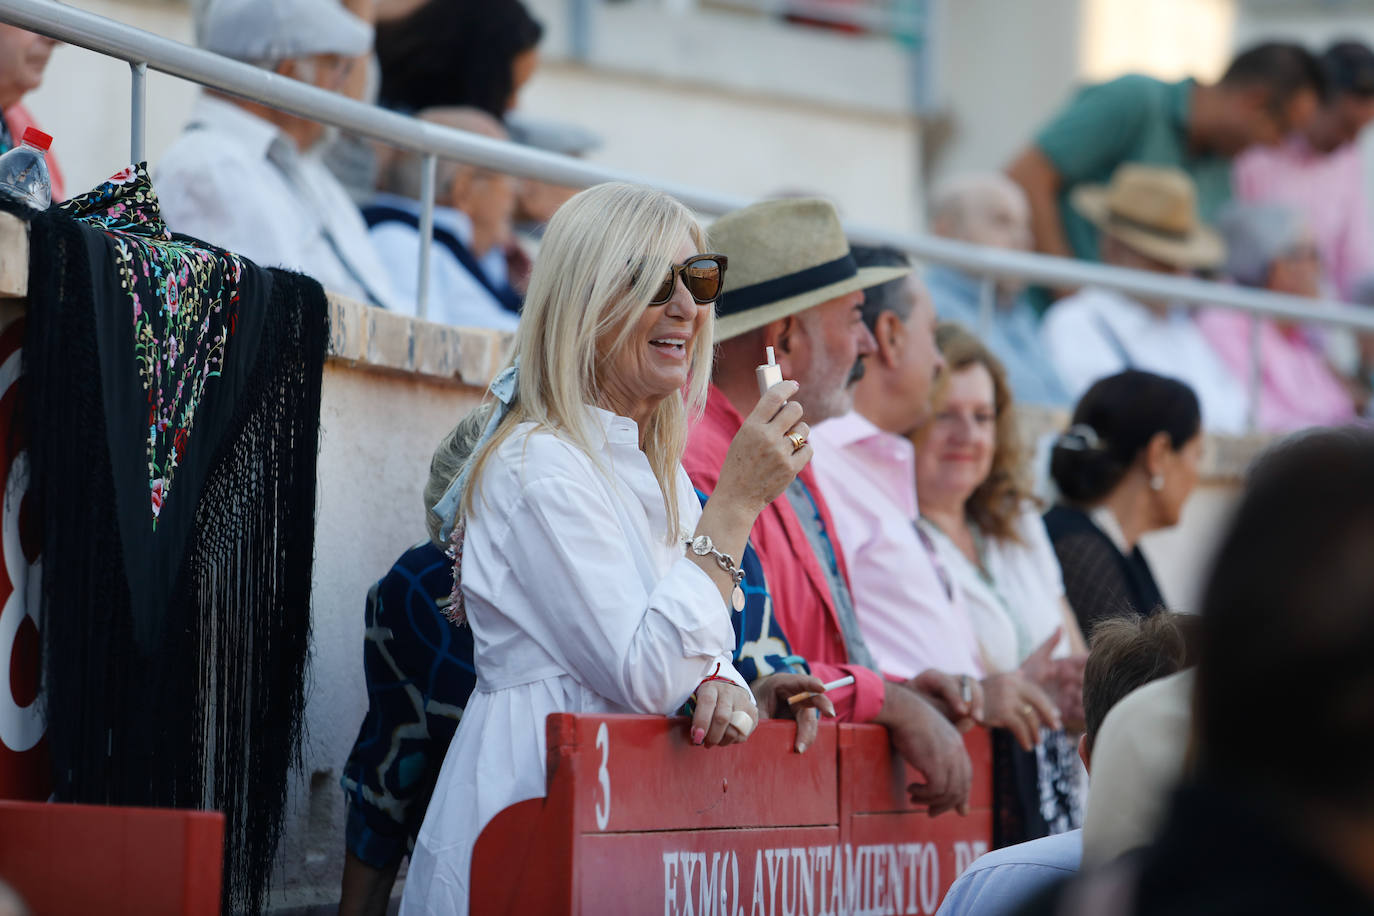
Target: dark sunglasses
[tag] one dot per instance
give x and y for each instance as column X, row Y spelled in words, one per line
column 703, row 275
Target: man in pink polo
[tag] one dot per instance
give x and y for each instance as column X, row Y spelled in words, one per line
column 793, row 286
column 908, row 607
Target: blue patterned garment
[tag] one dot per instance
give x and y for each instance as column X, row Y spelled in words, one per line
column 761, row 648
column 420, row 673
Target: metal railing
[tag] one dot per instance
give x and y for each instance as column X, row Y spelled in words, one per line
column 143, row 51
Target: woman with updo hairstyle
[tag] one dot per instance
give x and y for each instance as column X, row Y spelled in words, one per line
column 1124, row 467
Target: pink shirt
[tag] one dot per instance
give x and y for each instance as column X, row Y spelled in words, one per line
column 1296, row 387
column 910, row 614
column 1328, row 190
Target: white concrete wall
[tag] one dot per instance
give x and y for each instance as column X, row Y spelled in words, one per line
column 378, row 431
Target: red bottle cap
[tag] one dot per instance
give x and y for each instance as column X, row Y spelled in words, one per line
column 36, row 137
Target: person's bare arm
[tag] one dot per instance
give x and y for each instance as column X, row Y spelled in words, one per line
column 926, row 740
column 366, row 891
column 1040, row 181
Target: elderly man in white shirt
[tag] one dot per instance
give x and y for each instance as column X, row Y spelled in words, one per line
column 1148, row 220
column 469, row 285
column 247, row 178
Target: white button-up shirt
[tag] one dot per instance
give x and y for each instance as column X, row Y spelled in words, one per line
column 910, row 611
column 578, row 602
column 1096, row 332
column 456, row 297
column 236, row 181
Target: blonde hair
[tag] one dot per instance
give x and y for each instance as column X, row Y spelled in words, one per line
column 604, row 254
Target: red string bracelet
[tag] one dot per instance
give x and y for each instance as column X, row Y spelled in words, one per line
column 713, row 676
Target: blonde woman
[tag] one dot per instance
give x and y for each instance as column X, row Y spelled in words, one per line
column 990, row 537
column 593, row 580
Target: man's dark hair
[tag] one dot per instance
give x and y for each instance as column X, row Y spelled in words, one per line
column 1288, row 629
column 1349, row 68
column 1128, row 652
column 1282, row 67
column 454, row 53
column 885, row 297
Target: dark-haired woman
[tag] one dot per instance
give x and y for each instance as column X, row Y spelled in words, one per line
column 1125, row 467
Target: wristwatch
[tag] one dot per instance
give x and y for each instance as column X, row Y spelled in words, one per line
column 703, row 546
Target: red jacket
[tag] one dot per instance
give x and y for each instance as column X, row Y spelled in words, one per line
column 800, row 594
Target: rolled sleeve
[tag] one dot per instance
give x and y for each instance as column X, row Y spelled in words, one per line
column 859, row 703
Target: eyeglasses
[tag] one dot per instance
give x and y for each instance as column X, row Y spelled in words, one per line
column 703, row 275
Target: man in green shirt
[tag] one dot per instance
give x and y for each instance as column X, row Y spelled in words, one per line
column 1267, row 92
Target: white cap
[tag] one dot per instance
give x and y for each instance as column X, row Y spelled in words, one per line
column 277, row 30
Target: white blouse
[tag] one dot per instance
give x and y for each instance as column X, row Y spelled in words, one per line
column 578, row 603
column 1016, row 606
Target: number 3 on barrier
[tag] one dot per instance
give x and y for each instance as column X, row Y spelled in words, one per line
column 603, row 777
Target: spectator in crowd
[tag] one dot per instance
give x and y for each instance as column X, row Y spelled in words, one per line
column 977, row 509
column 1279, row 826
column 1148, row 220
column 908, row 609
column 573, row 573
column 247, row 178
column 420, row 673
column 991, row 209
column 536, row 201
column 468, row 284
column 23, row 58
column 1141, row 753
column 799, row 291
column 1269, row 246
column 1318, row 170
column 469, row 53
column 1124, row 468
column 1268, row 92
column 1127, row 653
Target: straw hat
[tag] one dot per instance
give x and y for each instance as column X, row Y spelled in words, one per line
column 786, row 256
column 1153, row 209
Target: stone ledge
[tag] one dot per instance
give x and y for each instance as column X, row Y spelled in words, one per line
column 373, row 338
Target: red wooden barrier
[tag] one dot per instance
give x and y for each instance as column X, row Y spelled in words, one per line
column 637, row 820
column 114, row 861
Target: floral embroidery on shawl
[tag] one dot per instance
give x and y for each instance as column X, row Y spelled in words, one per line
column 184, row 301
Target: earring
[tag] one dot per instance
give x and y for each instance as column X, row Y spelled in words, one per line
column 1157, row 482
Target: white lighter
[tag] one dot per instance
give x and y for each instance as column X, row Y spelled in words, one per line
column 769, row 374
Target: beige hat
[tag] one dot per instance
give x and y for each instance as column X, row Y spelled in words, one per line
column 786, row 256
column 1153, row 209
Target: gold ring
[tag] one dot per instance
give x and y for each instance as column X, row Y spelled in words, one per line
column 798, row 441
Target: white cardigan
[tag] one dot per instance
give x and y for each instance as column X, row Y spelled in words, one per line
column 1020, row 608
column 577, row 603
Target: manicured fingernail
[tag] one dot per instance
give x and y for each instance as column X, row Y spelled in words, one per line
column 801, row 747
column 698, row 735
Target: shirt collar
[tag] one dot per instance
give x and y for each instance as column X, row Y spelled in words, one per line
column 252, row 133
column 894, row 454
column 619, row 430
column 447, row 218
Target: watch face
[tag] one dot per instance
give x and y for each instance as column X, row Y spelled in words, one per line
column 701, row 545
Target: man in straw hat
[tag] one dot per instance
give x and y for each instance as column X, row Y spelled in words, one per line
column 797, row 291
column 1147, row 219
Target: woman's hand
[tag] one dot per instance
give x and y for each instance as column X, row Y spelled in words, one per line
column 1061, row 678
column 959, row 698
column 762, row 459
column 725, row 714
column 1012, row 702
column 772, row 693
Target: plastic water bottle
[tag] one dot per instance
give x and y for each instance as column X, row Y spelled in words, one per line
column 24, row 175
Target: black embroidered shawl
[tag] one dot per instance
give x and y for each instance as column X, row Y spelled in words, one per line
column 173, row 395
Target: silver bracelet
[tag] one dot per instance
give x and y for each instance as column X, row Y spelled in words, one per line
column 702, row 546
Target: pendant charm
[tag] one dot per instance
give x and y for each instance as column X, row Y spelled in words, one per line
column 737, row 598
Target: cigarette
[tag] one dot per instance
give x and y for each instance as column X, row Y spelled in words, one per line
column 808, row 694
